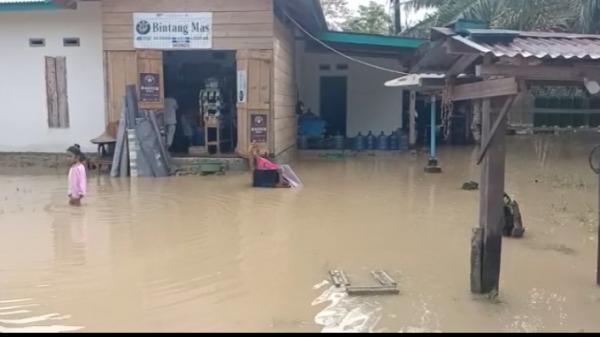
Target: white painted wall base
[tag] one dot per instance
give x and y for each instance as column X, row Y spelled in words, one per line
column 24, row 125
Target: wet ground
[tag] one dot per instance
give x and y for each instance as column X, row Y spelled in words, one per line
column 213, row 254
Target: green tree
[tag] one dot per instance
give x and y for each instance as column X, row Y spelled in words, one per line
column 581, row 16
column 372, row 19
column 336, row 11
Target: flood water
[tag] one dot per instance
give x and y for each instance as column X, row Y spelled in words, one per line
column 213, row 254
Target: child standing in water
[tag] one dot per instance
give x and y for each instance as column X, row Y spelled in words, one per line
column 77, row 176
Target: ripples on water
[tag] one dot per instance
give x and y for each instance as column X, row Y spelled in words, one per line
column 25, row 315
column 212, row 254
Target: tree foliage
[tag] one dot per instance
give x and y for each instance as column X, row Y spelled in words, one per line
column 581, row 16
column 372, row 19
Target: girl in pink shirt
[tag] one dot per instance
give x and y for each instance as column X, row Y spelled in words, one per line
column 77, row 176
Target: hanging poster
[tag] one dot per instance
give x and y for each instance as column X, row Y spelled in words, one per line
column 149, row 88
column 242, row 83
column 258, row 128
column 172, row 30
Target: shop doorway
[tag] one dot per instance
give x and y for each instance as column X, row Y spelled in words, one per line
column 186, row 75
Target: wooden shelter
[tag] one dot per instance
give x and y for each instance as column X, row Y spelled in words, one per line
column 496, row 66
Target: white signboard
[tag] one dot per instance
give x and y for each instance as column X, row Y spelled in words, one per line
column 242, row 84
column 172, row 30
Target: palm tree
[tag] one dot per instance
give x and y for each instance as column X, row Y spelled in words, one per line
column 581, row 16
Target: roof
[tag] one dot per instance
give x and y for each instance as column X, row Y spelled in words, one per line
column 308, row 12
column 541, row 45
column 417, row 81
column 17, row 5
column 371, row 39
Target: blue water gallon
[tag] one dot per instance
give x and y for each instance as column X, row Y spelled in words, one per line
column 371, row 141
column 394, row 141
column 339, row 142
column 382, row 142
column 359, row 142
column 403, row 143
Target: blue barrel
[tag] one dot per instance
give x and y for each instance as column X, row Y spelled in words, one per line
column 359, row 142
column 339, row 142
column 370, row 140
column 382, row 142
column 394, row 141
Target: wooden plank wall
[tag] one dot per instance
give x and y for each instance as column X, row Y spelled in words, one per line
column 237, row 24
column 121, row 70
column 285, row 90
column 258, row 64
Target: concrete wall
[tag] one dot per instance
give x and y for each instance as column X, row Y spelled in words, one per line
column 371, row 105
column 24, row 125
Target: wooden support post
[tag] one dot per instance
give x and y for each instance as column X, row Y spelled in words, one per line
column 412, row 123
column 491, row 214
column 432, row 164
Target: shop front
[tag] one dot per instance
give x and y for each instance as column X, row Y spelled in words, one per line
column 227, row 64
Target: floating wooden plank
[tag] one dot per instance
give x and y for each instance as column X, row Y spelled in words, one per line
column 485, row 89
column 384, row 278
column 372, row 291
column 339, row 278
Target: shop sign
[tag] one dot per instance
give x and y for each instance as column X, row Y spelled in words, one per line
column 172, row 30
column 258, row 128
column 149, row 88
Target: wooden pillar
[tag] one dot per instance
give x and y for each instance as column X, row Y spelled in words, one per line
column 412, row 122
column 491, row 216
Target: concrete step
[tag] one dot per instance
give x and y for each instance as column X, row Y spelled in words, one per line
column 207, row 165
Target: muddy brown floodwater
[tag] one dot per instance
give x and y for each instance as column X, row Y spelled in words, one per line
column 212, row 254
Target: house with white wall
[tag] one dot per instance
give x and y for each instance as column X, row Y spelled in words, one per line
column 51, row 75
column 360, row 64
column 65, row 64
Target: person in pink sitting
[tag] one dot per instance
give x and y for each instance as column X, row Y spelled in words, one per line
column 287, row 177
column 77, row 176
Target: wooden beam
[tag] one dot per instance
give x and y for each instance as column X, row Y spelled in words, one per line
column 541, row 73
column 459, row 47
column 491, row 212
column 462, row 64
column 412, row 122
column 485, row 89
column 501, row 119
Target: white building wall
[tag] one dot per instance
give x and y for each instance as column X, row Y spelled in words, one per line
column 24, row 125
column 371, row 106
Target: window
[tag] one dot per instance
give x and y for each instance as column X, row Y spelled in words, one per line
column 324, row 67
column 37, row 42
column 56, row 92
column 71, row 42
column 342, row 66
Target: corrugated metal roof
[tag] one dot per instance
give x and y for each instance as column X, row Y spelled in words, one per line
column 11, row 2
column 24, row 5
column 541, row 45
